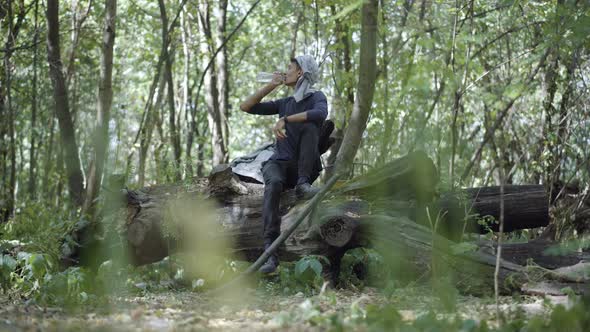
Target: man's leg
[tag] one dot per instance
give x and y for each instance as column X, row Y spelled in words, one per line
column 274, row 180
column 308, row 155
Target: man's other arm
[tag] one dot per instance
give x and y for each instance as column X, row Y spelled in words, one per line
column 318, row 113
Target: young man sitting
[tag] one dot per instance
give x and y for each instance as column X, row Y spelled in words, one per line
column 296, row 160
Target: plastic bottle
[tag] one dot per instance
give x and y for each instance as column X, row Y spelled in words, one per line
column 264, row 77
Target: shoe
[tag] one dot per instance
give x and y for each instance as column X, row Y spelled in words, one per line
column 271, row 263
column 305, row 191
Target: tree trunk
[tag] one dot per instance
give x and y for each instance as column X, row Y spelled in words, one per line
column 48, row 166
column 32, row 155
column 103, row 113
column 186, row 90
column 11, row 199
column 147, row 130
column 222, row 71
column 365, row 88
column 477, row 210
column 174, row 135
column 343, row 94
column 240, row 204
column 7, row 198
column 211, row 92
column 299, row 14
column 60, row 95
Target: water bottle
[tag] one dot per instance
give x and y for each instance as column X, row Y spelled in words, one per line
column 264, row 77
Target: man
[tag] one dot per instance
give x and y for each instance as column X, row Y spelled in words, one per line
column 296, row 160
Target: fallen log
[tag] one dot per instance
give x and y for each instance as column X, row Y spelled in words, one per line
column 477, row 210
column 239, row 206
column 373, row 210
column 536, row 251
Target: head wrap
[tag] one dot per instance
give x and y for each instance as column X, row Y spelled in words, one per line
column 303, row 87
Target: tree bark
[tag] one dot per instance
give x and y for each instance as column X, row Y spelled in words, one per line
column 344, row 94
column 103, row 113
column 186, row 90
column 60, row 95
column 48, row 166
column 222, row 71
column 148, row 129
column 477, row 210
column 240, row 204
column 211, row 92
column 7, row 198
column 168, row 53
column 365, row 87
column 32, row 152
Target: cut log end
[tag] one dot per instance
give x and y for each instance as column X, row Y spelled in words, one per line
column 338, row 231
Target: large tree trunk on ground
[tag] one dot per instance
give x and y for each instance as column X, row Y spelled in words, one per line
column 477, row 210
column 351, row 217
column 240, row 204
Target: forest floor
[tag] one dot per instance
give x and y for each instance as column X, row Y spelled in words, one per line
column 256, row 310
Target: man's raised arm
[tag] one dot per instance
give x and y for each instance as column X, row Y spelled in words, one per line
column 246, row 105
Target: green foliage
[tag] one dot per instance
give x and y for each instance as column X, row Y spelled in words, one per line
column 34, row 276
column 303, row 276
column 364, row 267
column 40, row 228
column 569, row 246
column 463, row 247
column 308, row 268
column 7, row 267
column 388, row 317
column 68, row 288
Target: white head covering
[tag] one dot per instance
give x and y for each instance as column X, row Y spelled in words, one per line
column 303, row 87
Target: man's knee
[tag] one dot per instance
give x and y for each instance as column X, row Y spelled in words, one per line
column 273, row 185
column 272, row 179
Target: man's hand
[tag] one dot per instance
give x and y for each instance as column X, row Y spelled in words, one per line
column 279, row 128
column 278, row 78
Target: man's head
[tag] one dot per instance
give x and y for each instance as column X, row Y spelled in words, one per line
column 293, row 73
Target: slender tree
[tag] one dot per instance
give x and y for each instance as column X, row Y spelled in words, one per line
column 62, row 110
column 12, row 28
column 211, row 91
column 365, row 87
column 103, row 110
column 222, row 71
column 32, row 154
column 168, row 54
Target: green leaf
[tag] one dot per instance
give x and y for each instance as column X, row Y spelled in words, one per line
column 7, row 263
column 316, row 266
column 37, row 265
column 301, row 266
column 463, row 247
column 353, row 6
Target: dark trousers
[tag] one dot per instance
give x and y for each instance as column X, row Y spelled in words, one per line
column 285, row 174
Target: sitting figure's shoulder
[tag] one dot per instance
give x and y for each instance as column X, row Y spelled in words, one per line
column 319, row 95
